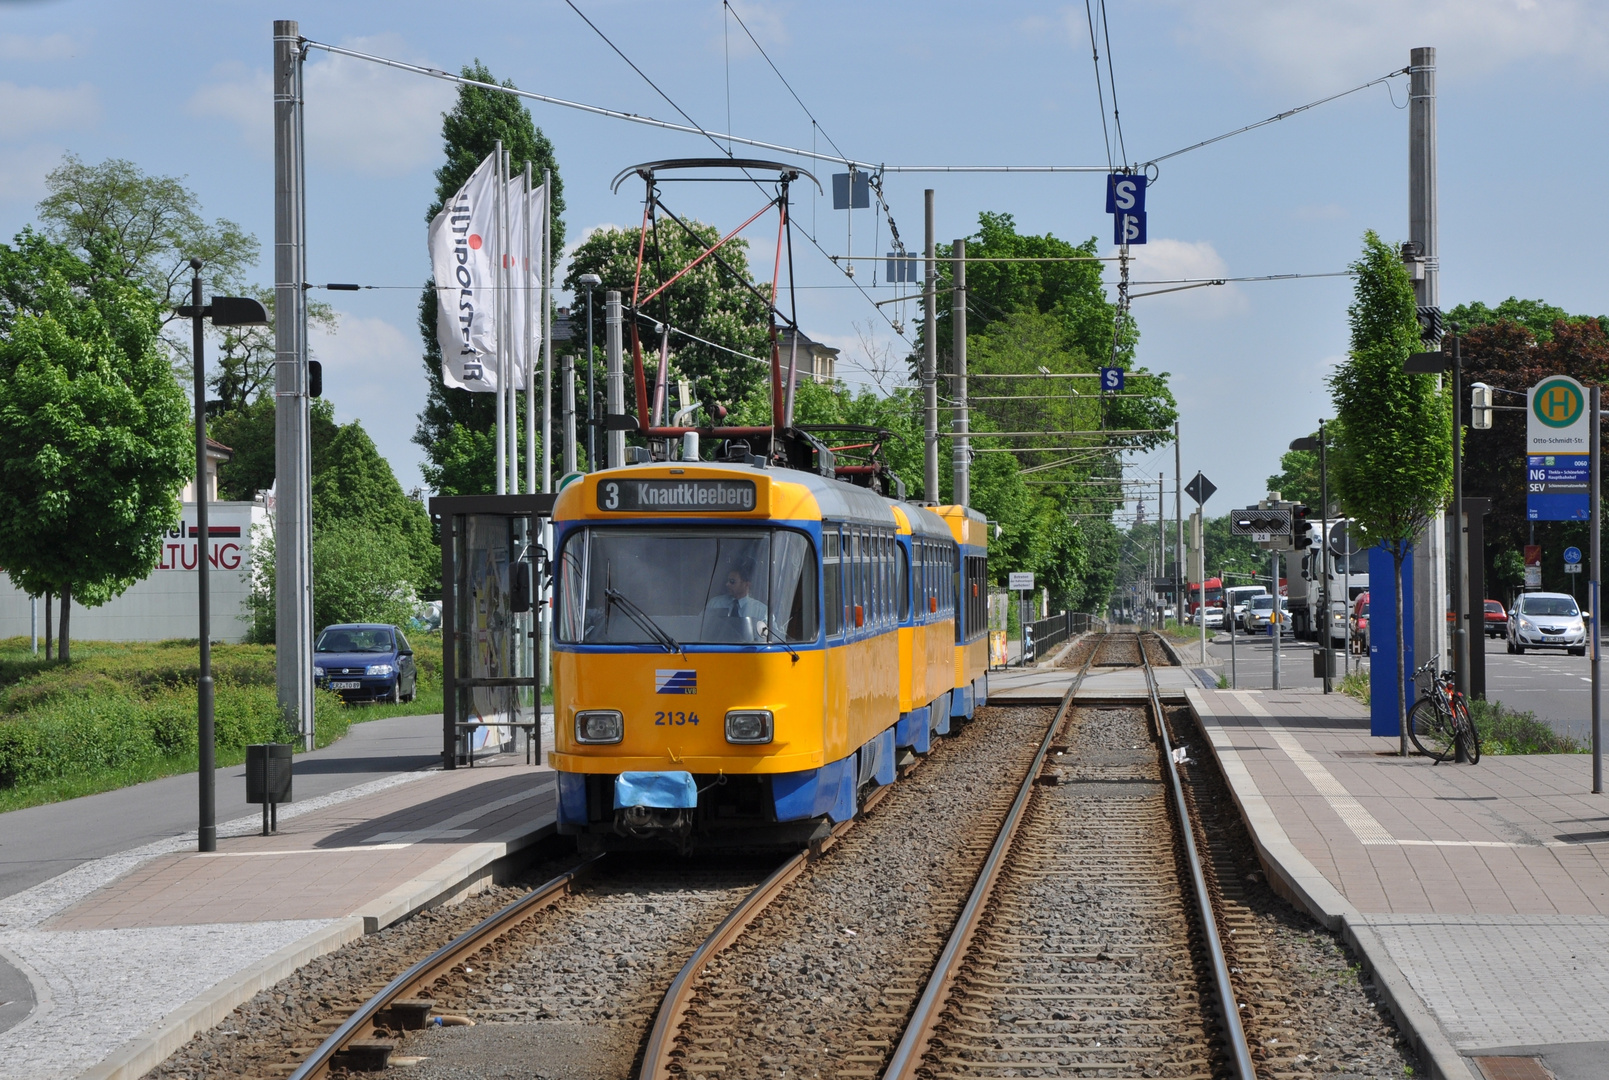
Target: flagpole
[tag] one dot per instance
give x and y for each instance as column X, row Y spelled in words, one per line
column 511, row 425
column 544, row 666
column 547, row 333
column 498, row 198
column 530, row 345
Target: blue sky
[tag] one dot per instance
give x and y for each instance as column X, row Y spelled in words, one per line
column 1522, row 105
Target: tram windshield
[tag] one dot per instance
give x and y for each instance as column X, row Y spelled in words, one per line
column 672, row 587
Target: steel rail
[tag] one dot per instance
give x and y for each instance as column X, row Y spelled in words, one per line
column 1234, row 1033
column 657, row 1051
column 361, row 1022
column 919, row 1032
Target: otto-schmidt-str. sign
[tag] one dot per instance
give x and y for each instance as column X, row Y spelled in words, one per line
column 1556, row 417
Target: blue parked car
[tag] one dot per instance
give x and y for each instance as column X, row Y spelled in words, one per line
column 365, row 662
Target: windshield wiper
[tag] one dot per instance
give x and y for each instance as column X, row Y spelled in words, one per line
column 645, row 622
column 772, row 638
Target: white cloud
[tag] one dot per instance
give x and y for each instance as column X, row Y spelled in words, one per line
column 1164, row 261
column 359, row 116
column 28, row 110
column 21, row 48
column 1328, row 46
column 23, row 169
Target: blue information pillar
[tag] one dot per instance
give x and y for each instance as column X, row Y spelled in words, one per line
column 1383, row 640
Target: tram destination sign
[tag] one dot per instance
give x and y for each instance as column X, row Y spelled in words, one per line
column 676, row 496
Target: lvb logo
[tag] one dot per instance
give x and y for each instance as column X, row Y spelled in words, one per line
column 1557, row 403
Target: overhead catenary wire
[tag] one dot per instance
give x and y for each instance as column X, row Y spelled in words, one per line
column 815, row 155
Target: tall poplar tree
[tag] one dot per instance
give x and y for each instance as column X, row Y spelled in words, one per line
column 1393, row 463
column 456, row 426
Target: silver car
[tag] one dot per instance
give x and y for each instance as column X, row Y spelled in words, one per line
column 1543, row 620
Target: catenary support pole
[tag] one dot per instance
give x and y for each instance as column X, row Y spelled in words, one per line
column 592, row 395
column 1430, row 590
column 961, row 450
column 1460, row 597
column 206, row 776
column 1229, row 620
column 1276, row 624
column 930, row 364
column 1200, row 565
column 614, row 376
column 1179, row 573
column 293, row 579
column 1325, row 641
column 1595, row 583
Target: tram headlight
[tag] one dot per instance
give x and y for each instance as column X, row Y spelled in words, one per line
column 596, row 726
column 748, row 726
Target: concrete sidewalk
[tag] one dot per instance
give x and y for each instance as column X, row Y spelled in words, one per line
column 1480, row 894
column 114, row 963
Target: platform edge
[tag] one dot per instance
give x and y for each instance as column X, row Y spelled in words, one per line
column 1295, row 877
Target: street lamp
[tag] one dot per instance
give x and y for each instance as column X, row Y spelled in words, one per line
column 1320, row 444
column 591, row 280
column 223, row 311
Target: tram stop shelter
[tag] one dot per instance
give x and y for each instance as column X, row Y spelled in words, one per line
column 492, row 562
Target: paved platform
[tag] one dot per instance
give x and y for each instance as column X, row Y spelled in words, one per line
column 1480, row 894
column 129, row 954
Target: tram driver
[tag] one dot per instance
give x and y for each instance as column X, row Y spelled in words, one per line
column 735, row 602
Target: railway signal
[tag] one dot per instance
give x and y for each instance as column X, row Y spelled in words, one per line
column 1261, row 523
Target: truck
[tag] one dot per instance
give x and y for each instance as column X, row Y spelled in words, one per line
column 1304, row 584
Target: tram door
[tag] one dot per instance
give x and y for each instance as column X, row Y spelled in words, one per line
column 492, row 565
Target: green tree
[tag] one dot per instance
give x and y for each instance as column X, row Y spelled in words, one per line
column 1298, row 478
column 149, row 228
column 94, row 432
column 707, row 302
column 249, row 432
column 1537, row 316
column 470, row 132
column 354, row 485
column 1392, row 465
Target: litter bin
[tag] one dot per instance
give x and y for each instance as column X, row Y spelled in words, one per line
column 1322, row 659
column 268, row 779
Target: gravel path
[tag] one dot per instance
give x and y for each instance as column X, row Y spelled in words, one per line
column 823, row 981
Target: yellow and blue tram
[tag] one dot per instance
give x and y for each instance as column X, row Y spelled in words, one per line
column 740, row 652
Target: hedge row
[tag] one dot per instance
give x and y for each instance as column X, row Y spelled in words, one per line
column 94, row 733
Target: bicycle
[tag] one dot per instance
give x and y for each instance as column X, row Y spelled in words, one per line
column 1440, row 719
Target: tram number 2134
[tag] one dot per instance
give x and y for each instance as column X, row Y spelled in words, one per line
column 675, row 719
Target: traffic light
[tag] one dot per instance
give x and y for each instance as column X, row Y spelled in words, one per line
column 315, row 379
column 1256, row 520
column 1480, row 406
column 1301, row 535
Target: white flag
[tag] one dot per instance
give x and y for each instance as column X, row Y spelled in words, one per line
column 523, row 275
column 462, row 238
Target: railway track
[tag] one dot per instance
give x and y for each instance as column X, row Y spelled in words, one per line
column 702, row 1024
column 1090, row 943
column 592, row 947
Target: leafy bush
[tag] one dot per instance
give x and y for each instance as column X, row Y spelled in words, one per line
column 1517, row 731
column 360, row 574
column 124, row 712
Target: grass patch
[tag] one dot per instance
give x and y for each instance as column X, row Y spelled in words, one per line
column 1517, row 731
column 123, row 713
column 1355, row 684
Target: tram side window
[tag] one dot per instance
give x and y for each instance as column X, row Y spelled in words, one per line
column 831, row 578
column 856, row 588
column 902, row 581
